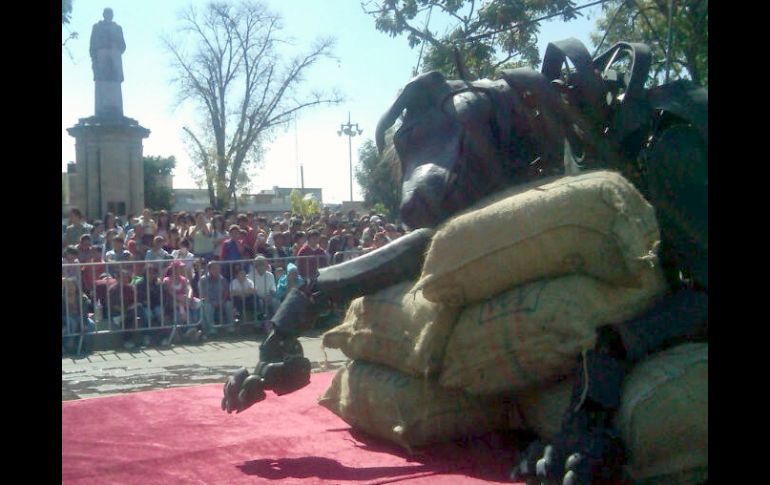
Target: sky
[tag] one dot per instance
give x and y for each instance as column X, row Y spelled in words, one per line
column 369, row 69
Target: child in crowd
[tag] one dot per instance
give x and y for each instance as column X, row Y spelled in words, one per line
column 183, row 254
column 157, row 252
column 243, row 293
column 179, row 292
column 117, row 254
column 70, row 259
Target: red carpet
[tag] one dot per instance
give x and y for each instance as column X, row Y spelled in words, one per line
column 181, row 436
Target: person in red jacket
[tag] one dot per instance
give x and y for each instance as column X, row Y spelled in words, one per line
column 311, row 257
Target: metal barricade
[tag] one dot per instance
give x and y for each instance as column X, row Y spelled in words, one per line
column 97, row 302
column 102, row 303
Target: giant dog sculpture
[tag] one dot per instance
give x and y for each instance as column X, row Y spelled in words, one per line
column 459, row 141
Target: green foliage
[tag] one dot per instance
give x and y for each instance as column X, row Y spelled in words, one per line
column 158, row 195
column 378, row 178
column 491, row 36
column 306, row 207
column 380, row 208
column 647, row 21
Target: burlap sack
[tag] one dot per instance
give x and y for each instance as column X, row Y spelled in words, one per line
column 533, row 334
column 663, row 417
column 397, row 328
column 595, row 223
column 405, row 410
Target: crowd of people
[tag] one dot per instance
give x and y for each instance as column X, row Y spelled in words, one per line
column 201, row 270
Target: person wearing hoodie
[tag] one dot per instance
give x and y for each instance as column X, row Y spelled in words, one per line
column 291, row 279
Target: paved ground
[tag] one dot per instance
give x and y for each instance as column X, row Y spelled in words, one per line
column 117, row 372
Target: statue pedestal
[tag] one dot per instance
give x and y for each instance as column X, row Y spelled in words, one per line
column 109, row 99
column 109, row 172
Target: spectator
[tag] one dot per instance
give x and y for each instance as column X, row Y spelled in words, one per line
column 291, row 279
column 84, row 248
column 230, row 218
column 275, row 227
column 243, row 293
column 76, row 228
column 156, row 252
column 129, row 224
column 182, row 225
column 264, row 284
column 74, row 314
column 392, row 232
column 278, row 271
column 232, row 250
column 163, row 224
column 282, row 250
column 351, row 249
column 93, row 272
column 295, row 225
column 323, row 244
column 122, row 307
column 133, row 248
column 209, row 213
column 97, row 233
column 136, row 233
column 183, row 254
column 110, row 223
column 311, row 257
column 202, row 240
column 298, row 240
column 262, row 246
column 179, row 293
column 108, row 242
column 215, row 299
column 116, row 254
column 70, row 259
column 250, row 238
column 172, row 243
column 261, row 224
column 218, row 233
column 149, row 227
column 380, row 239
column 150, row 304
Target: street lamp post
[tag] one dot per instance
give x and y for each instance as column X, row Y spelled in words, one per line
column 351, row 130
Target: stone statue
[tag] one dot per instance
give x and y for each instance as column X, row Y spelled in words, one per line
column 107, row 47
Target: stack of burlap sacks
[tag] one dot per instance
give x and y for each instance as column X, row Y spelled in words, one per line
column 511, row 292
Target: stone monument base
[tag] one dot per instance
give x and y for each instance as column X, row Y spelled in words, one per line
column 109, row 170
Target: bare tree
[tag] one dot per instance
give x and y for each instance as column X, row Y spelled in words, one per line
column 227, row 63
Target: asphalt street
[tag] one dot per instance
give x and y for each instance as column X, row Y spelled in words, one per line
column 120, row 371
